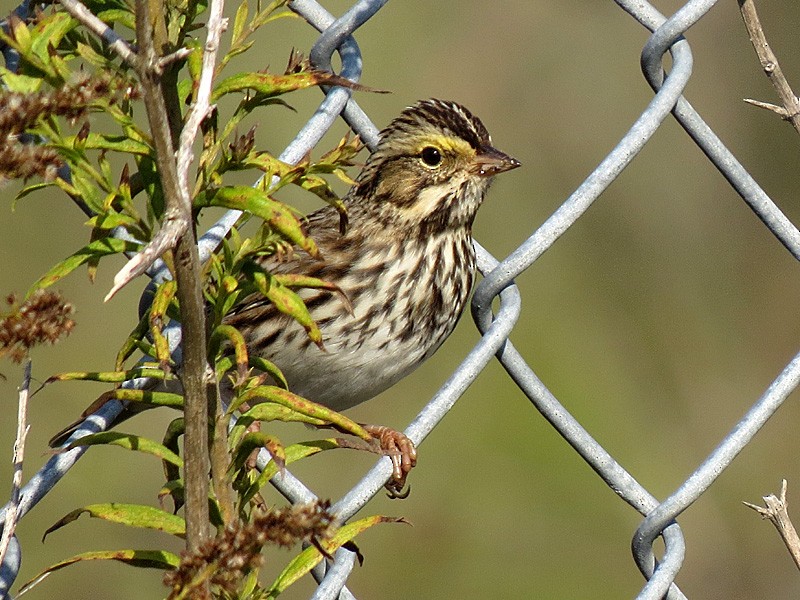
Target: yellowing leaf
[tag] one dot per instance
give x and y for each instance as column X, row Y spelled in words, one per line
column 271, row 394
column 129, row 442
column 49, row 32
column 149, row 559
column 277, row 215
column 311, row 556
column 95, row 249
column 285, row 300
column 108, row 376
column 133, row 515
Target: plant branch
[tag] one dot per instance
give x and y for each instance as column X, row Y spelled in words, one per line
column 175, row 223
column 769, row 62
column 190, row 297
column 198, row 111
column 10, row 523
column 778, row 110
column 777, row 512
column 201, row 106
column 84, row 16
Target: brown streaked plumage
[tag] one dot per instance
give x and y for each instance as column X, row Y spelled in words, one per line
column 406, row 264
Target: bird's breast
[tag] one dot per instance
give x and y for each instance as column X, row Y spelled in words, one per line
column 405, row 302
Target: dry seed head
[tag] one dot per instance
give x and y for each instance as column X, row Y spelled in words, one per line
column 21, row 111
column 42, row 318
column 231, row 555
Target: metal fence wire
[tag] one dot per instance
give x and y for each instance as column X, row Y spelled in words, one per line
column 660, row 517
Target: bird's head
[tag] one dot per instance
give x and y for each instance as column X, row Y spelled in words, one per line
column 432, row 166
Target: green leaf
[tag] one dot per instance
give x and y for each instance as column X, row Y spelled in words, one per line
column 302, row 175
column 133, row 515
column 148, row 397
column 134, row 340
column 165, row 293
column 129, row 442
column 268, row 411
column 276, row 214
column 321, row 188
column 121, row 16
column 232, row 335
column 172, row 435
column 268, row 85
column 237, row 50
column 109, row 376
column 255, row 440
column 271, row 165
column 49, row 32
column 268, row 14
column 29, row 189
column 270, row 368
column 148, row 559
column 239, row 21
column 226, row 363
column 111, row 219
column 97, row 248
column 91, row 56
column 297, row 280
column 116, row 143
column 19, row 36
column 284, row 299
column 292, row 453
column 311, row 557
column 24, row 84
column 270, row 394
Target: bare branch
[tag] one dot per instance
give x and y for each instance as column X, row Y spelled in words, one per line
column 197, row 114
column 200, row 108
column 778, row 110
column 10, row 523
column 187, row 276
column 777, row 512
column 176, row 56
column 769, row 62
column 101, row 30
column 173, row 226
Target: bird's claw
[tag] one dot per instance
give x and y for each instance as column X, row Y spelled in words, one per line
column 398, row 447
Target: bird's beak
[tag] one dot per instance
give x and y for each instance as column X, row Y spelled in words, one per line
column 490, row 161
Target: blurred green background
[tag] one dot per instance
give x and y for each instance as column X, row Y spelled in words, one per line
column 658, row 319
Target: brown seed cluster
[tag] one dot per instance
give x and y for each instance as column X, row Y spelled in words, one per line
column 22, row 158
column 23, row 161
column 42, row 318
column 224, row 560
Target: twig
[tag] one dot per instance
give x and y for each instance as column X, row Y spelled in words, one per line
column 175, row 223
column 188, row 277
column 173, row 226
column 777, row 512
column 198, row 111
column 101, row 30
column 778, row 110
column 769, row 62
column 201, row 107
column 10, row 523
column 176, row 56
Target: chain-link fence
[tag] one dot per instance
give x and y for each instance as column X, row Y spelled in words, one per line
column 496, row 324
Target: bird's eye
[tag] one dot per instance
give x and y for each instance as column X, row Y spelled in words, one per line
column 431, row 156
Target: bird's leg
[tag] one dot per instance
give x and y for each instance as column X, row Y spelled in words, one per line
column 401, row 450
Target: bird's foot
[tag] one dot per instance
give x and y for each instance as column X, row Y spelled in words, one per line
column 401, row 450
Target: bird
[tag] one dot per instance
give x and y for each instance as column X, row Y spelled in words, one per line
column 405, row 265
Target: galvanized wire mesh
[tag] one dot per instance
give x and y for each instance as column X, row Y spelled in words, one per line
column 495, row 326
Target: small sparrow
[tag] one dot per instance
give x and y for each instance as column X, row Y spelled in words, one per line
column 406, row 264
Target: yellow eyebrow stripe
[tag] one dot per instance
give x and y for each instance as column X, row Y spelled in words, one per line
column 446, row 143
